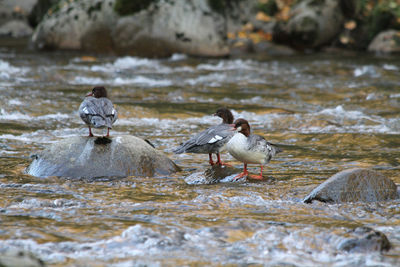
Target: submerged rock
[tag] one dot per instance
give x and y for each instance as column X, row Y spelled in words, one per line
column 89, row 157
column 15, row 257
column 364, row 239
column 212, row 175
column 354, row 185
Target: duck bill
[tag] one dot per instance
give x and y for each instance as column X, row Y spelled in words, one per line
column 90, row 94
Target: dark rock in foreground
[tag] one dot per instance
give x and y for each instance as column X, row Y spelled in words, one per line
column 354, row 185
column 88, row 157
column 364, row 239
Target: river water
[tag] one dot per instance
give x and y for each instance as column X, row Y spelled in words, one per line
column 327, row 112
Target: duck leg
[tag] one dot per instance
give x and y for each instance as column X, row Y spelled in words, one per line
column 258, row 177
column 219, row 162
column 243, row 174
column 211, row 160
column 108, row 132
column 90, row 132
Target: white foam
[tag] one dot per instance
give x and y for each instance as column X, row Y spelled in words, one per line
column 340, row 111
column 7, row 71
column 87, row 80
column 213, row 79
column 134, row 62
column 15, row 102
column 366, row 70
column 141, row 80
column 227, row 65
column 178, row 57
column 17, row 116
column 390, row 67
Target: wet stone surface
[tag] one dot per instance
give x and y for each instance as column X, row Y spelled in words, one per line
column 354, row 185
column 92, row 157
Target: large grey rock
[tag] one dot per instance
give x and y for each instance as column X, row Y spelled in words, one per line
column 81, row 157
column 14, row 17
column 386, row 42
column 311, row 24
column 159, row 30
column 354, row 185
column 77, row 25
column 15, row 9
column 167, row 27
column 364, row 239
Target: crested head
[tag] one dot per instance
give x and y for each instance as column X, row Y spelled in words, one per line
column 225, row 114
column 99, row 91
column 242, row 126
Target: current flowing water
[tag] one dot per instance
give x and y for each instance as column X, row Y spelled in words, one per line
column 328, row 113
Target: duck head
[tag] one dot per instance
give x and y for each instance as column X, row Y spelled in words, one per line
column 98, row 91
column 242, row 126
column 225, row 114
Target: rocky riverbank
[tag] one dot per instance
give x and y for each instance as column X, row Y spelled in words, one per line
column 159, row 28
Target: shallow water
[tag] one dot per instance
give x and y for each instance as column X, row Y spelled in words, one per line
column 328, row 113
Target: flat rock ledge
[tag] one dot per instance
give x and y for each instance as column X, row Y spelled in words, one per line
column 354, row 185
column 86, row 157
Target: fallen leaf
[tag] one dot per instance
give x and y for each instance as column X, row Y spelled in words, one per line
column 344, row 39
column 263, row 17
column 231, row 35
column 350, row 25
column 248, row 27
column 88, row 58
column 239, row 44
column 242, row 35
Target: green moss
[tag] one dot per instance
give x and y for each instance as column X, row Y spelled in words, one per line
column 221, row 6
column 129, row 7
column 270, row 8
column 384, row 15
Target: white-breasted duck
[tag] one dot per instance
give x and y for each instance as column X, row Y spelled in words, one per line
column 212, row 140
column 250, row 148
column 97, row 110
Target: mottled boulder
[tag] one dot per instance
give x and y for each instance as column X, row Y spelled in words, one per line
column 386, row 42
column 364, row 239
column 16, row 29
column 77, row 25
column 311, row 24
column 354, row 185
column 157, row 29
column 167, row 27
column 15, row 257
column 14, row 17
column 15, row 9
column 86, row 157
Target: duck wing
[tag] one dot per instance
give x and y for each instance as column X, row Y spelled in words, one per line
column 98, row 112
column 216, row 136
column 257, row 143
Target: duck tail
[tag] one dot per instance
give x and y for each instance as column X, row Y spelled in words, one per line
column 184, row 147
column 179, row 150
column 275, row 149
